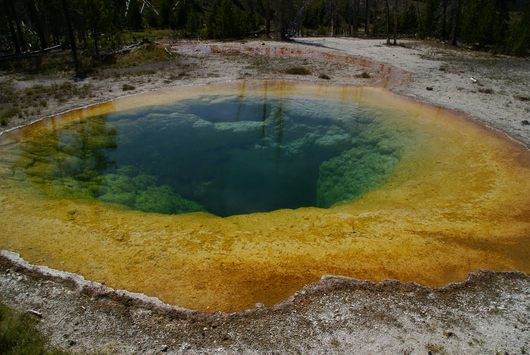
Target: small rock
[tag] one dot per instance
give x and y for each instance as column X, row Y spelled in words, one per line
column 164, row 348
column 71, row 342
column 35, row 313
column 449, row 334
column 525, row 122
column 429, row 88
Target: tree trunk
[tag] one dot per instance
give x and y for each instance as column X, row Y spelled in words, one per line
column 12, row 31
column 66, row 12
column 355, row 23
column 268, row 16
column 387, row 6
column 418, row 16
column 21, row 43
column 83, row 36
column 36, row 18
column 20, row 34
column 332, row 11
column 395, row 21
column 95, row 33
column 456, row 22
column 444, row 20
column 367, row 15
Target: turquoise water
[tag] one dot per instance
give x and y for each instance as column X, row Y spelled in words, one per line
column 225, row 155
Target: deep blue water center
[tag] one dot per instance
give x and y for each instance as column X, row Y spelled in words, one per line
column 223, row 154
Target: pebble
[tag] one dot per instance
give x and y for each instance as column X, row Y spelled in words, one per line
column 164, row 348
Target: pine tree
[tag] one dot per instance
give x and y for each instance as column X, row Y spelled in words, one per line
column 166, row 7
column 408, row 23
column 134, row 16
column 518, row 41
column 428, row 22
column 192, row 23
column 223, row 21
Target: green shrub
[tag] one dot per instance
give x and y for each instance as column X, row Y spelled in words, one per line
column 19, row 335
column 6, row 114
column 364, row 75
column 127, row 87
column 486, row 91
column 149, row 53
column 298, row 71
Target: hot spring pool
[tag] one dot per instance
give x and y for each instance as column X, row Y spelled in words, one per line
column 222, row 154
column 219, row 197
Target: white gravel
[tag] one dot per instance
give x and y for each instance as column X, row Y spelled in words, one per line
column 449, row 72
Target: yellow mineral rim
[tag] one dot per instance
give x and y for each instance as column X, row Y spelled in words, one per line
column 456, row 203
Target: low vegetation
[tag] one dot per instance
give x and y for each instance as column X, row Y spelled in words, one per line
column 435, row 349
column 298, row 71
column 363, row 75
column 20, row 102
column 486, row 91
column 127, row 87
column 19, row 335
column 145, row 54
column 6, row 114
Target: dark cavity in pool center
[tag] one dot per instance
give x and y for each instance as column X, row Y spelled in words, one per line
column 223, row 154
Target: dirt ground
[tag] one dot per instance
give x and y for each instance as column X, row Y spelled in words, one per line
column 486, row 314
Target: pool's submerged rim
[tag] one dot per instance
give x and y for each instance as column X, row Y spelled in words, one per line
column 457, row 113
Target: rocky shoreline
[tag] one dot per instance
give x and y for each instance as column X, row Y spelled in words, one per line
column 485, row 313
